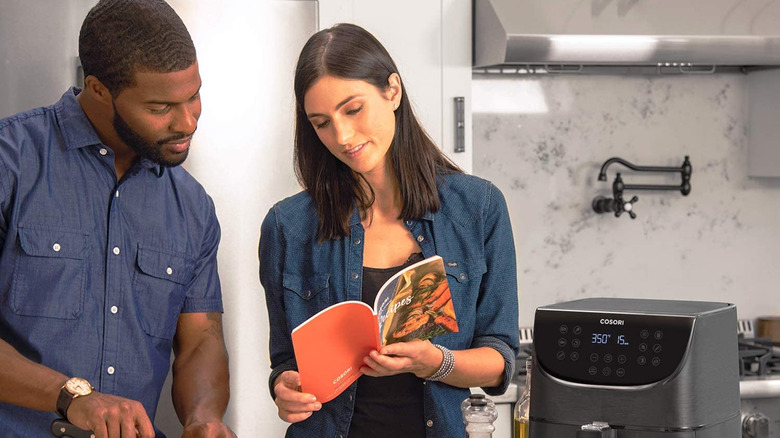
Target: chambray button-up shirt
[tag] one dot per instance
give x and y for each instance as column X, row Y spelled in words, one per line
column 471, row 232
column 94, row 272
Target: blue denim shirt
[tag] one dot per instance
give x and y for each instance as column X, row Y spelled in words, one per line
column 473, row 235
column 93, row 272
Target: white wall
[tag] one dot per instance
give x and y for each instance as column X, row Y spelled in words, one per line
column 542, row 141
column 242, row 154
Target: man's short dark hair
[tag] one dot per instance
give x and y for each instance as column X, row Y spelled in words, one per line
column 122, row 37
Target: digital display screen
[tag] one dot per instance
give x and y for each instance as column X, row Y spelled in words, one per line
column 609, row 339
column 610, row 348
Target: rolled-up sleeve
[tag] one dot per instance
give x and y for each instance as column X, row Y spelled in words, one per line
column 204, row 293
column 497, row 309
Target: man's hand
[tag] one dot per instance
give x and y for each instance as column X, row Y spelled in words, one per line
column 211, row 429
column 294, row 406
column 109, row 416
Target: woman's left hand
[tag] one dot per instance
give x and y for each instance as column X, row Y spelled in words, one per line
column 420, row 358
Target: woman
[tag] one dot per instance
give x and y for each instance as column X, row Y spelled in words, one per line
column 378, row 196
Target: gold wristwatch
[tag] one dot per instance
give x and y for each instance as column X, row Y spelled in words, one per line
column 73, row 388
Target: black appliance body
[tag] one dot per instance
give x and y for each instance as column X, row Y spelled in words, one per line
column 635, row 368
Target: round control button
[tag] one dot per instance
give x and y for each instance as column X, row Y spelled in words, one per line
column 606, row 371
column 574, row 356
column 593, row 370
column 657, row 348
column 561, row 355
column 658, row 335
column 642, row 347
column 561, row 342
column 641, row 360
column 607, row 358
column 622, row 359
column 563, row 329
column 656, row 361
column 620, row 372
column 577, row 330
column 594, row 357
column 575, row 343
column 644, row 334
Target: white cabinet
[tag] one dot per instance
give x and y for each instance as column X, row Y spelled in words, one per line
column 763, row 126
column 430, row 41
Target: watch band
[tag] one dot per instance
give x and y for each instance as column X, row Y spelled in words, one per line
column 63, row 402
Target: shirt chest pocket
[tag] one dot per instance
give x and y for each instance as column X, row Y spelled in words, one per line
column 464, row 278
column 159, row 289
column 304, row 296
column 49, row 273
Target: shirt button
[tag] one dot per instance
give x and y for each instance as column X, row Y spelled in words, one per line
column 103, row 151
column 429, row 423
column 420, row 238
column 116, row 250
column 116, row 194
column 357, row 241
column 169, row 271
column 409, row 223
column 462, row 276
column 56, row 247
column 355, row 275
column 110, row 370
column 114, row 309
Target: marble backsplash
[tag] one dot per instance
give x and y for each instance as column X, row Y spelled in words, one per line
column 542, row 141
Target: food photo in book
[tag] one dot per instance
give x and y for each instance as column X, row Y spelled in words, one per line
column 422, row 306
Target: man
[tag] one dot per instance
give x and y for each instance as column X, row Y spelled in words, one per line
column 107, row 247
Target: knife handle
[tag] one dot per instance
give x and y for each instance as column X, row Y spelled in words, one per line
column 62, row 428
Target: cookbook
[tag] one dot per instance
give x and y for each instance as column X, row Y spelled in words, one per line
column 415, row 303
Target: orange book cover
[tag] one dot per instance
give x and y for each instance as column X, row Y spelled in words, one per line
column 413, row 304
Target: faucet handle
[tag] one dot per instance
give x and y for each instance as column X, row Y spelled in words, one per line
column 628, row 207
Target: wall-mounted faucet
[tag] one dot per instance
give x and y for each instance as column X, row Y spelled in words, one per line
column 618, row 205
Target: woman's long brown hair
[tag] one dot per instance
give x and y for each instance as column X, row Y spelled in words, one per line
column 348, row 51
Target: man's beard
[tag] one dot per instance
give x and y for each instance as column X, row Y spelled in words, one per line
column 150, row 150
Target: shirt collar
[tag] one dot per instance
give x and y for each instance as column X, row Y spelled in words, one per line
column 78, row 130
column 151, row 165
column 76, row 127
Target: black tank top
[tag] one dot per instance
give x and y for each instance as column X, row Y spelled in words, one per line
column 392, row 406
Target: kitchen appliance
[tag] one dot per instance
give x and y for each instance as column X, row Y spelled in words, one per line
column 635, row 368
column 675, row 37
column 759, row 386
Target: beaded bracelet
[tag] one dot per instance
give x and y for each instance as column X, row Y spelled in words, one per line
column 447, row 364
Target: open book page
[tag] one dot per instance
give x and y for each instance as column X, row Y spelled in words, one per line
column 330, row 346
column 416, row 303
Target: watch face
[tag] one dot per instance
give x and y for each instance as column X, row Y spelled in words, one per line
column 78, row 386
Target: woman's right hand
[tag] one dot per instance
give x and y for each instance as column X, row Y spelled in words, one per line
column 294, row 405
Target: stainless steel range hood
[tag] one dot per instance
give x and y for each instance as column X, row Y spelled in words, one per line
column 665, row 35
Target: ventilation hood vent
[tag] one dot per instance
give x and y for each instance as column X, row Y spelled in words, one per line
column 664, row 36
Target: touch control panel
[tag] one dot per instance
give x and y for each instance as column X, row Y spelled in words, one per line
column 609, row 348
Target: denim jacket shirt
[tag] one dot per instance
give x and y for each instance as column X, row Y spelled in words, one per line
column 471, row 232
